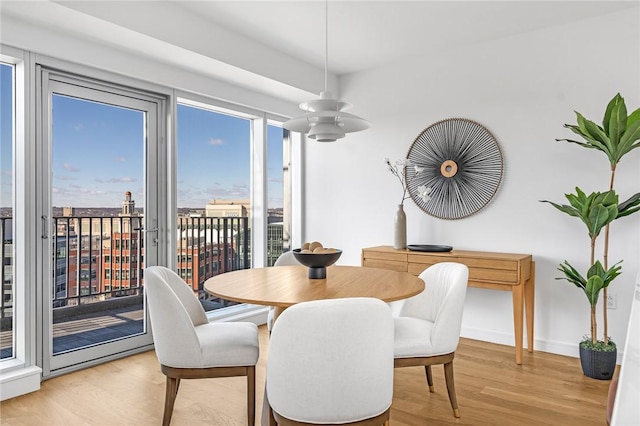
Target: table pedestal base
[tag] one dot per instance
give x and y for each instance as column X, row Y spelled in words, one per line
column 317, row 273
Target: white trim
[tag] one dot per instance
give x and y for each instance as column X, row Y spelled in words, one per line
column 258, row 197
column 16, row 374
column 297, row 189
column 19, row 382
column 539, row 345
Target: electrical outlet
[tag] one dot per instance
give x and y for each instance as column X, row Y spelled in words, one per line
column 612, row 302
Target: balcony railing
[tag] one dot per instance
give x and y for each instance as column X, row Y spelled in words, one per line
column 98, row 262
column 98, row 258
column 6, row 269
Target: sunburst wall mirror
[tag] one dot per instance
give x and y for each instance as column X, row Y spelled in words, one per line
column 456, row 168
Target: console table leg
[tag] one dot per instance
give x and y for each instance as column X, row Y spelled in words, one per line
column 529, row 296
column 518, row 305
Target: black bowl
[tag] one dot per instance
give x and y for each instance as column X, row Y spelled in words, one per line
column 317, row 262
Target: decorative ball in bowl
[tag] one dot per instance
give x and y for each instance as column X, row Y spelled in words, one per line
column 317, row 260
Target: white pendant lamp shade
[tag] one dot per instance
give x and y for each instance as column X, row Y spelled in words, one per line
column 325, row 120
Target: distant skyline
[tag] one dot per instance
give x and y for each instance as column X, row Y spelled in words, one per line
column 98, row 154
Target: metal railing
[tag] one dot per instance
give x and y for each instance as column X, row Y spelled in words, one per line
column 101, row 258
column 6, row 272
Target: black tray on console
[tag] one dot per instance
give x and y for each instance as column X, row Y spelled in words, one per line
column 428, row 247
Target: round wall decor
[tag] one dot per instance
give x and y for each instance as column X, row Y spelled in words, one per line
column 455, row 168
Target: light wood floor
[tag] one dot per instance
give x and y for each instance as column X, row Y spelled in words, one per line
column 492, row 390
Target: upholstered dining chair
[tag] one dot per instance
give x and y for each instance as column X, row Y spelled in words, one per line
column 427, row 330
column 331, row 362
column 285, row 259
column 188, row 346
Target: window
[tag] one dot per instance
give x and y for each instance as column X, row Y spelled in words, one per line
column 7, row 127
column 84, row 275
column 214, row 189
column 277, row 191
column 74, row 244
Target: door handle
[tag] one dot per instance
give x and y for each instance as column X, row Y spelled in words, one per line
column 45, row 226
column 155, row 229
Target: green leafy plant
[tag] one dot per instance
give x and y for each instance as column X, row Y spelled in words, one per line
column 596, row 280
column 618, row 135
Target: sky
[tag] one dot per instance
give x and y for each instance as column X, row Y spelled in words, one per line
column 98, row 154
column 6, row 131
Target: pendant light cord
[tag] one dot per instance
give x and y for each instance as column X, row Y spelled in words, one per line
column 326, row 44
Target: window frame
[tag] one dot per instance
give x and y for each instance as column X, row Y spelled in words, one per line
column 259, row 121
column 258, row 165
column 23, row 362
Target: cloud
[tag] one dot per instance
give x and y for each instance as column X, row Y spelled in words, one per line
column 68, row 167
column 275, row 180
column 120, row 160
column 237, row 190
column 77, row 189
column 78, row 127
column 125, row 179
column 63, row 177
column 215, row 141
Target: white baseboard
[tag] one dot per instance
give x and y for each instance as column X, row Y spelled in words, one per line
column 19, row 382
column 554, row 347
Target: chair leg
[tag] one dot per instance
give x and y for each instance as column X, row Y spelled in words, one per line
column 169, row 399
column 251, row 395
column 427, row 369
column 272, row 419
column 451, row 387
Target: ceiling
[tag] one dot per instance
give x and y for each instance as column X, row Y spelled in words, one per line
column 257, row 42
column 369, row 34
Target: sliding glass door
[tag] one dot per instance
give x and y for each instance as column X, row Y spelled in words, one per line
column 101, row 162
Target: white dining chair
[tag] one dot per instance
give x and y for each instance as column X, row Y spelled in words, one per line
column 331, row 362
column 427, row 330
column 188, row 346
column 285, row 259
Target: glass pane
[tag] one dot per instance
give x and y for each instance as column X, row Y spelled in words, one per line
column 213, row 197
column 98, row 243
column 275, row 193
column 6, row 209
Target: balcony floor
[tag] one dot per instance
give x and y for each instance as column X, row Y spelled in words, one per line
column 94, row 328
column 91, row 329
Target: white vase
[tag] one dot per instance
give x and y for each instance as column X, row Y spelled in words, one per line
column 400, row 229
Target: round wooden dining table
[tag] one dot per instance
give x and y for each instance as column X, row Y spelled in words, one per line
column 284, row 286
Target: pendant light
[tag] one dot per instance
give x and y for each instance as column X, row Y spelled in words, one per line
column 325, row 119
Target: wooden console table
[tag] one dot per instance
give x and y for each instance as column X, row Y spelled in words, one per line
column 497, row 271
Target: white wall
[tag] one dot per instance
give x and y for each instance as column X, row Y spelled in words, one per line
column 523, row 89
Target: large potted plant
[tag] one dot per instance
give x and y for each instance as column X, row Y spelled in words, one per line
column 618, row 135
